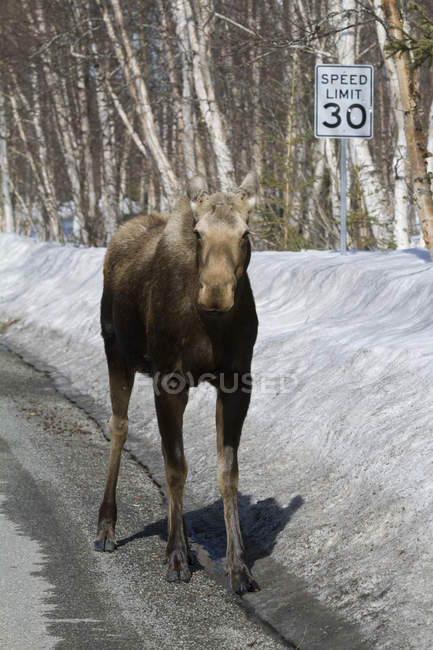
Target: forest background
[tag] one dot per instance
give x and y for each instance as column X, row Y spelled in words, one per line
column 108, row 106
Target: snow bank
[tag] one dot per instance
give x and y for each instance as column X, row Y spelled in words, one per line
column 336, row 459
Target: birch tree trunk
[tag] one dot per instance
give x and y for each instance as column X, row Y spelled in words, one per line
column 128, row 123
column 71, row 152
column 288, row 185
column 189, row 154
column 314, row 198
column 327, row 152
column 88, row 190
column 89, row 200
column 151, row 194
column 375, row 197
column 27, row 212
column 45, row 171
column 430, row 146
column 63, row 123
column 399, row 163
column 175, row 84
column 199, row 44
column 40, row 164
column 332, row 164
column 416, row 139
column 9, row 221
column 255, row 98
column 121, row 194
column 138, row 91
column 50, row 220
column 109, row 201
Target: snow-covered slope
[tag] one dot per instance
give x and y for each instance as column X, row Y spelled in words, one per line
column 336, row 460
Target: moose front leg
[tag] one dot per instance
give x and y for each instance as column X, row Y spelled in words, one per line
column 121, row 383
column 169, row 409
column 230, row 414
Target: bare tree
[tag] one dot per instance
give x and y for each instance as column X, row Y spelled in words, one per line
column 399, row 162
column 124, row 51
column 111, row 100
column 199, row 43
column 9, row 221
column 416, row 137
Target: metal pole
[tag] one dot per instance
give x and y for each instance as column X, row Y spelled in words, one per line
column 343, row 230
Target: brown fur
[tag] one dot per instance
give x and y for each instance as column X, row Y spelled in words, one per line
column 177, row 304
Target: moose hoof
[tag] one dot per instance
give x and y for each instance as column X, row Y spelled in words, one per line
column 104, row 545
column 105, row 541
column 178, row 569
column 242, row 581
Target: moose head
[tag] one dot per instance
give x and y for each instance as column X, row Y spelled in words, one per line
column 220, row 226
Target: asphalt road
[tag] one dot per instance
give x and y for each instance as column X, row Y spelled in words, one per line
column 55, row 591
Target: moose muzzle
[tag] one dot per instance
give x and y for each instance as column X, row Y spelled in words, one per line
column 216, row 294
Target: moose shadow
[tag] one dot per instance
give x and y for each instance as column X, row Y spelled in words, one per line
column 261, row 523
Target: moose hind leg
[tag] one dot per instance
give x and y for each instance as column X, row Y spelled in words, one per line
column 121, row 383
column 169, row 410
column 230, row 414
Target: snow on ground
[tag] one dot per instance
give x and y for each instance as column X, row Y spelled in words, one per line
column 336, row 459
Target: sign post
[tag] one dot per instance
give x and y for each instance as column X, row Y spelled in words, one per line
column 343, row 109
column 343, row 206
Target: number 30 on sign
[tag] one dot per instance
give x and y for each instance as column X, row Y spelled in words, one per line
column 344, row 101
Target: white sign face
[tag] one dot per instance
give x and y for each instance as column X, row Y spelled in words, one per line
column 344, row 101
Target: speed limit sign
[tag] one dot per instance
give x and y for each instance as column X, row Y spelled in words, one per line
column 343, row 109
column 344, row 101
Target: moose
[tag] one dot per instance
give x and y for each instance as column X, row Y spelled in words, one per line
column 177, row 305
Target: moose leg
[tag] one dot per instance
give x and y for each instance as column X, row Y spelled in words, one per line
column 169, row 410
column 230, row 414
column 121, row 383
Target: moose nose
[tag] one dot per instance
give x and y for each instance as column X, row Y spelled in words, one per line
column 210, row 286
column 220, row 288
column 216, row 296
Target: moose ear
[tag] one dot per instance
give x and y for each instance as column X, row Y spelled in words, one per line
column 248, row 189
column 196, row 188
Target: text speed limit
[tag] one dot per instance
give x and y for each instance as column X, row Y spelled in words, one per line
column 344, row 101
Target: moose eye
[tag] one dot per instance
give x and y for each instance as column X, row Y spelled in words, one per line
column 245, row 235
column 197, row 234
